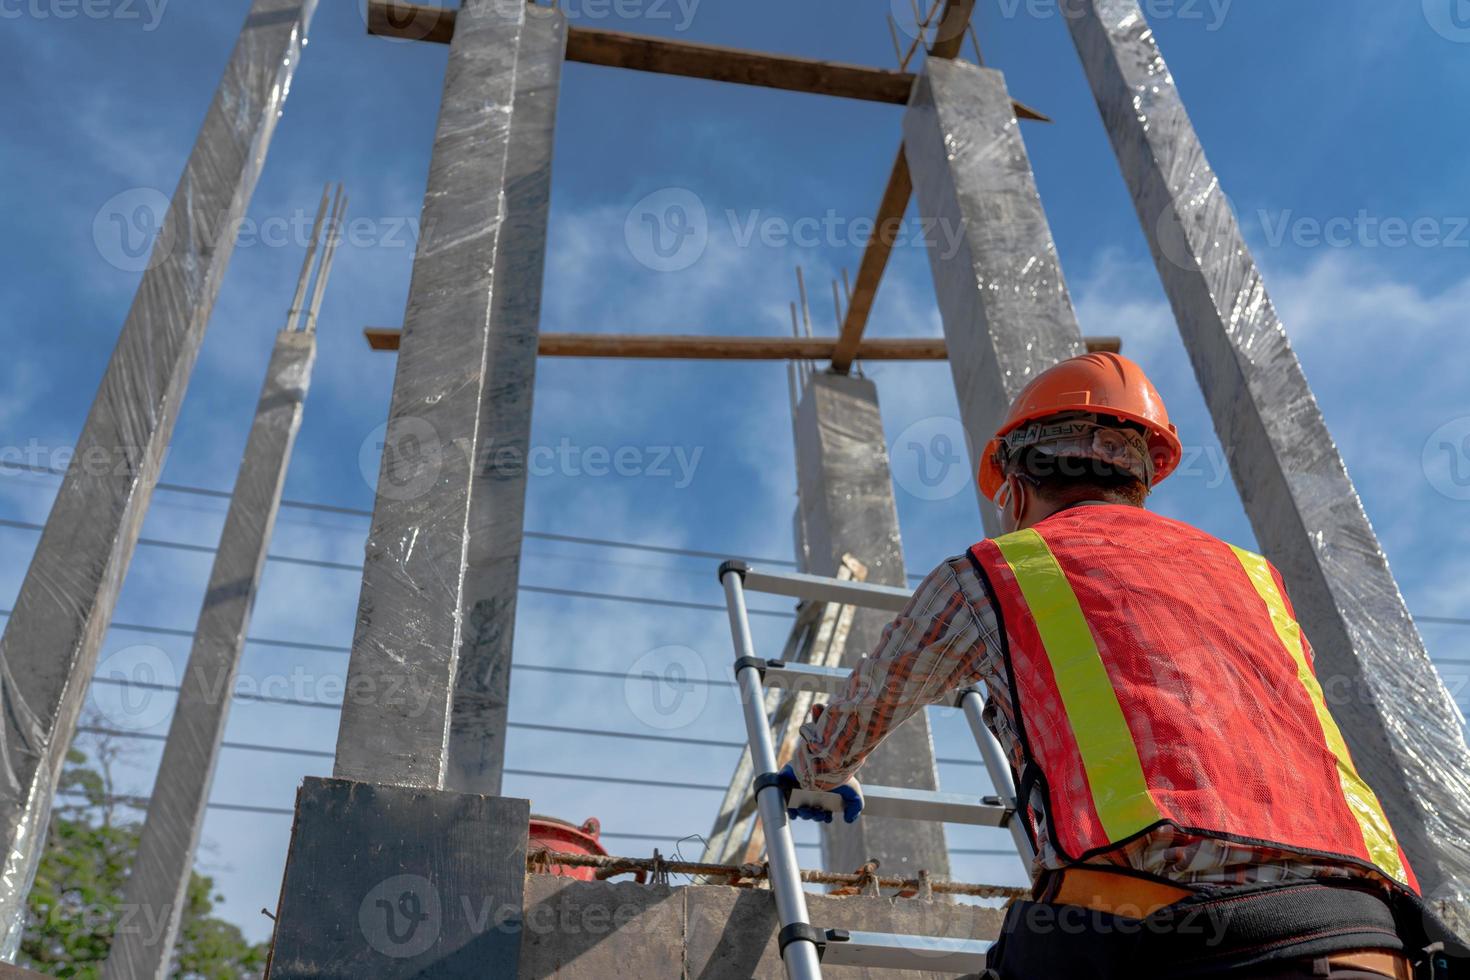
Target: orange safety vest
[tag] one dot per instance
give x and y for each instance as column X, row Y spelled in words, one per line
column 1159, row 676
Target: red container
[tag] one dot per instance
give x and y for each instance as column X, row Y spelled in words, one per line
column 551, row 834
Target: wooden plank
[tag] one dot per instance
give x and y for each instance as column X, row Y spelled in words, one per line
column 953, row 20
column 696, row 347
column 875, row 259
column 615, row 49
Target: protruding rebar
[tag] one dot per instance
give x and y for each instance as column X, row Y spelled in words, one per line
column 293, row 315
column 334, row 239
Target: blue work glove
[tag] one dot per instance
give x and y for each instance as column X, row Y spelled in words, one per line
column 850, row 791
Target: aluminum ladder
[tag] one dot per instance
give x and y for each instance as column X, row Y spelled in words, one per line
column 804, row 947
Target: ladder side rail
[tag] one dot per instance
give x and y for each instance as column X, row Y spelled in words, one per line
column 800, row 956
column 999, row 768
column 825, row 652
column 735, row 821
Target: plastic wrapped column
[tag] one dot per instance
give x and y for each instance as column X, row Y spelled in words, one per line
column 498, row 491
column 847, row 507
column 1006, row 311
column 160, row 876
column 51, row 642
column 397, row 711
column 1402, row 726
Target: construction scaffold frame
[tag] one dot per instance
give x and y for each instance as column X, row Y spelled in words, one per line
column 445, row 606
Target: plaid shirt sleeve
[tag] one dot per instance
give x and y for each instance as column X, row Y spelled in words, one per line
column 940, row 643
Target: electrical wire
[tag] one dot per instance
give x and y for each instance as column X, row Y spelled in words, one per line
column 356, row 512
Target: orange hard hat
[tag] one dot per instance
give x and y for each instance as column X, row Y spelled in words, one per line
column 1104, row 384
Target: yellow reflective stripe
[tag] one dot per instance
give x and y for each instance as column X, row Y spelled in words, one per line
column 1109, row 755
column 1377, row 834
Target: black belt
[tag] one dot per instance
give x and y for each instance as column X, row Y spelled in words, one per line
column 1235, row 929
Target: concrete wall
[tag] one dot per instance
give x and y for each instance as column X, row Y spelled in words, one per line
column 577, row 930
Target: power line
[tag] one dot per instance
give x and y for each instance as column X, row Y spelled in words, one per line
column 547, row 590
column 532, row 773
column 336, row 706
column 357, row 512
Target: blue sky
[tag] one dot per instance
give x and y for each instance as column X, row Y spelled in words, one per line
column 1311, row 112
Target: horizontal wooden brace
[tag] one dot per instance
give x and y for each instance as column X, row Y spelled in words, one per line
column 614, row 49
column 700, row 347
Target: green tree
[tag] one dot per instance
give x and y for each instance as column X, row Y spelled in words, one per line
column 75, row 902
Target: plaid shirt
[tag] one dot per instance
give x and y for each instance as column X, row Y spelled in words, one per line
column 948, row 639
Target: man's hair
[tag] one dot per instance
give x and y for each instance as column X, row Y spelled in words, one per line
column 1071, row 479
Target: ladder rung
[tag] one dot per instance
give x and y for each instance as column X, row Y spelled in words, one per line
column 800, row 586
column 890, row 951
column 914, row 804
column 803, row 677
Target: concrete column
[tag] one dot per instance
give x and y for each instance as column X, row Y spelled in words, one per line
column 400, row 687
column 847, row 506
column 1006, row 311
column 160, row 876
column 1399, row 721
column 50, row 645
column 498, row 490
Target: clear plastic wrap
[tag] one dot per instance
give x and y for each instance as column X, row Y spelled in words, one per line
column 498, row 493
column 1006, row 310
column 1402, row 726
column 159, row 879
column 51, row 642
column 465, row 358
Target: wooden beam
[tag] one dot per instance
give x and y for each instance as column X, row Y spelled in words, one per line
column 614, row 49
column 701, row 347
column 954, row 20
column 875, row 259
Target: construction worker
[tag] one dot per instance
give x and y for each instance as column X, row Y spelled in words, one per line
column 1193, row 808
